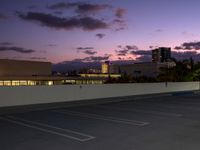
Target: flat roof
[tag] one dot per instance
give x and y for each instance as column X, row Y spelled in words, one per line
column 34, row 61
column 48, row 78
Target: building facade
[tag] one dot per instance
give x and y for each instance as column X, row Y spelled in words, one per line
column 31, row 73
column 24, row 68
column 140, row 69
column 105, row 67
column 160, row 55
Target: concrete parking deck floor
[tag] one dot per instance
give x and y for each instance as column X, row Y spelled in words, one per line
column 159, row 123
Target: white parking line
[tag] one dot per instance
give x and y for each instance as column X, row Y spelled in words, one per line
column 43, row 127
column 105, row 118
column 142, row 111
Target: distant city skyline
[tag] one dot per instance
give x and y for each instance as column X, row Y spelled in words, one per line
column 86, row 31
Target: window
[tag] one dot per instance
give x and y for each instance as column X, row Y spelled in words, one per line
column 15, row 83
column 50, row 83
column 7, row 83
column 31, row 82
column 23, row 82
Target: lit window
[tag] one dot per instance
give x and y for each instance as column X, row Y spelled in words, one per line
column 7, row 83
column 50, row 82
column 15, row 83
column 23, row 82
column 70, row 81
column 31, row 82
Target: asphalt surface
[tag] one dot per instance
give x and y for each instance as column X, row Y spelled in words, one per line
column 159, row 123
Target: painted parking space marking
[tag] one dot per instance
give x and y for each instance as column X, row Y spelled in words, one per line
column 49, row 129
column 102, row 117
column 142, row 111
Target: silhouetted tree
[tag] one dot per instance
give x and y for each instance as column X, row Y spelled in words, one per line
column 192, row 63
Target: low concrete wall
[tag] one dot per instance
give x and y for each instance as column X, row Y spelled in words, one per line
column 28, row 95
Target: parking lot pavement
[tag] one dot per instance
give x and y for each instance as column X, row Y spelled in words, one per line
column 161, row 123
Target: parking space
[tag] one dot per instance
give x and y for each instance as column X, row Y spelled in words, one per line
column 170, row 122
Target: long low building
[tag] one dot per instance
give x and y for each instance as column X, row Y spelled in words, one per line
column 149, row 69
column 48, row 80
column 23, row 73
column 24, row 68
column 101, row 75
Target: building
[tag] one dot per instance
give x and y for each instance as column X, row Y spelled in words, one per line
column 48, row 80
column 24, row 68
column 30, row 73
column 105, row 67
column 105, row 73
column 161, row 58
column 160, row 55
column 150, row 69
column 101, row 75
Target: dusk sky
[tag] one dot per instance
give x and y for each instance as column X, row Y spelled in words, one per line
column 98, row 30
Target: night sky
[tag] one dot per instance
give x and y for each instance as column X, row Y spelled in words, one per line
column 98, row 30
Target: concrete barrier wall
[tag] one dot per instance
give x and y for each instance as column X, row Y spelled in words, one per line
column 27, row 95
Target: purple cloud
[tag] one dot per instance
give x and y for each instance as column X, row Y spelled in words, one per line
column 17, row 49
column 189, row 46
column 100, row 35
column 6, row 43
column 120, row 12
column 94, row 59
column 125, row 50
column 89, row 52
column 91, row 8
column 142, row 52
column 186, row 55
column 80, row 7
column 51, row 21
column 62, row 5
column 85, row 48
